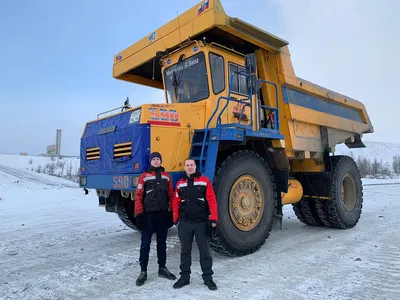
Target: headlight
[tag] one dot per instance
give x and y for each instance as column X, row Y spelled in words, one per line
column 82, row 180
column 135, row 180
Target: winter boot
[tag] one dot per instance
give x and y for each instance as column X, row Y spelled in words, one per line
column 164, row 272
column 142, row 278
column 181, row 282
column 210, row 284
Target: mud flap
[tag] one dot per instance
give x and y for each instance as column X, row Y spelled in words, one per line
column 277, row 223
column 112, row 203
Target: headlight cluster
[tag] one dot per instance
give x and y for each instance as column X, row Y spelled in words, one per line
column 82, row 181
column 135, row 180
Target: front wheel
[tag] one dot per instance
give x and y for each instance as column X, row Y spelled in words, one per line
column 125, row 212
column 246, row 195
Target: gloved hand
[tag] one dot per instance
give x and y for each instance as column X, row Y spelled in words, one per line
column 210, row 229
column 141, row 221
column 170, row 219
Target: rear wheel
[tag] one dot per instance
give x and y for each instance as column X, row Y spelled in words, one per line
column 246, row 195
column 344, row 209
column 305, row 210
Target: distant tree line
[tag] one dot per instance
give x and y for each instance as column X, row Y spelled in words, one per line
column 59, row 169
column 377, row 169
column 368, row 168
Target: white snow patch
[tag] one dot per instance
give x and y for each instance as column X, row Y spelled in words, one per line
column 57, row 244
column 33, row 163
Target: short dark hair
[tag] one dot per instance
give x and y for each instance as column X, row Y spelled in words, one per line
column 189, row 158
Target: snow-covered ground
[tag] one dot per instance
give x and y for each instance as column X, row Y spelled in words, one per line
column 56, row 243
column 23, row 162
column 26, row 176
column 62, row 167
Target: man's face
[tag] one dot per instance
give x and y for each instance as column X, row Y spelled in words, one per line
column 190, row 167
column 155, row 162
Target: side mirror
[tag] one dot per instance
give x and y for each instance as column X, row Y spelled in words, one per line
column 251, row 70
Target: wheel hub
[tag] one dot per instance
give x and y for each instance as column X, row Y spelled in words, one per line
column 348, row 193
column 246, row 203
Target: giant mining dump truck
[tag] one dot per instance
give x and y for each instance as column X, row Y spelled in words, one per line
column 264, row 137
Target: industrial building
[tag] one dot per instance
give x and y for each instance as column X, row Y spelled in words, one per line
column 55, row 150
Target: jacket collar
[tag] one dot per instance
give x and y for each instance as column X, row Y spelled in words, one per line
column 153, row 169
column 197, row 174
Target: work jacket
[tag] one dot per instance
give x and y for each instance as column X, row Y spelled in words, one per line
column 195, row 199
column 154, row 191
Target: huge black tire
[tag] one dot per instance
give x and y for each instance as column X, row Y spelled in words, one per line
column 125, row 213
column 305, row 210
column 344, row 209
column 254, row 199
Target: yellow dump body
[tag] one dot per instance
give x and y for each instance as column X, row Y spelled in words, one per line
column 304, row 107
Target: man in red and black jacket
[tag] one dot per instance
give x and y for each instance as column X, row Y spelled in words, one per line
column 195, row 212
column 153, row 204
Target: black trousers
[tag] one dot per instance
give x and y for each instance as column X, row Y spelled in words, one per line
column 155, row 223
column 186, row 232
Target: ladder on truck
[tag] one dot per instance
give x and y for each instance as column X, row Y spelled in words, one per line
column 205, row 142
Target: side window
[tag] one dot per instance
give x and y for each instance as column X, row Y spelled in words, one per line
column 238, row 81
column 217, row 72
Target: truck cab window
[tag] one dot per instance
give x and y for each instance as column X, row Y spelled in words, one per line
column 217, row 72
column 186, row 81
column 239, row 85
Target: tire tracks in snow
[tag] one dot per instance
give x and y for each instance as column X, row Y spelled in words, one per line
column 303, row 262
column 299, row 262
column 385, row 265
column 73, row 269
column 43, row 242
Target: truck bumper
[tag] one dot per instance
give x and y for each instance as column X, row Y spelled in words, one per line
column 126, row 182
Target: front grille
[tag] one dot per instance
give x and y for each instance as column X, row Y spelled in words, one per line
column 92, row 153
column 121, row 150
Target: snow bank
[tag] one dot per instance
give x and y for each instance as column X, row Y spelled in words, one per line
column 62, row 166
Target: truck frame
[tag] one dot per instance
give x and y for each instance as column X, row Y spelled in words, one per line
column 265, row 137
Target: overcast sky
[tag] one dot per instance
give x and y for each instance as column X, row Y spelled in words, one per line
column 56, row 59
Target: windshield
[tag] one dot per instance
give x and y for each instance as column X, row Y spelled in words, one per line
column 186, row 81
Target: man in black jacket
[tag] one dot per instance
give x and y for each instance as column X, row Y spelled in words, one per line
column 153, row 205
column 195, row 212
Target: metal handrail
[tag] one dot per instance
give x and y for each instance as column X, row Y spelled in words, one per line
column 241, row 112
column 275, row 112
column 215, row 111
column 121, row 107
column 125, row 106
column 228, row 98
column 276, row 119
column 213, row 114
